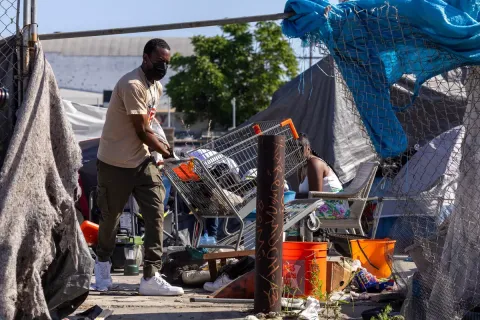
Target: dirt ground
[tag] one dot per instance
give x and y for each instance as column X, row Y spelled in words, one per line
column 128, row 305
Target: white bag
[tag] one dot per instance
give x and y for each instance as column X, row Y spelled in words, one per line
column 160, row 134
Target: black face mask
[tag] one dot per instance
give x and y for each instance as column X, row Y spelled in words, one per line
column 158, row 71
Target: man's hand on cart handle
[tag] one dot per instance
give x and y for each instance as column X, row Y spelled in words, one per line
column 170, row 150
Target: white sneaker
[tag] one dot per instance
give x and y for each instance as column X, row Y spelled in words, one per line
column 221, row 281
column 103, row 278
column 157, row 286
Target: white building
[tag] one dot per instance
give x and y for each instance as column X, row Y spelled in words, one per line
column 86, row 67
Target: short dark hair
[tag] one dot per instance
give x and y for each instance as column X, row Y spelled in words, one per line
column 154, row 44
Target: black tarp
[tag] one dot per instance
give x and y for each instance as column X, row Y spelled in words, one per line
column 320, row 105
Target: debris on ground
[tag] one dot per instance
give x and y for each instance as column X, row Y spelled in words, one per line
column 94, row 313
column 312, row 309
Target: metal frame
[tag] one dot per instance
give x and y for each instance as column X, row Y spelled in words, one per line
column 242, row 145
column 27, row 41
column 163, row 27
column 378, row 210
column 289, row 220
column 357, row 192
column 200, row 218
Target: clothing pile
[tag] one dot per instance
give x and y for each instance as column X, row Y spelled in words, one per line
column 226, row 173
column 185, row 267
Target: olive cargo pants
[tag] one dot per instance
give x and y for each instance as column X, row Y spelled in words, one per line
column 115, row 185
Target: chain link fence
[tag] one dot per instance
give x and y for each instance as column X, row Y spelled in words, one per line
column 10, row 43
column 427, row 140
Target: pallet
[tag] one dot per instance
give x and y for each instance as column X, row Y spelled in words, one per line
column 212, row 258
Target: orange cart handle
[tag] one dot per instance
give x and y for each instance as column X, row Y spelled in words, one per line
column 289, row 122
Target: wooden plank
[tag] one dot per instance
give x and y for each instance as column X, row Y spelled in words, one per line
column 212, row 268
column 338, row 278
column 230, row 254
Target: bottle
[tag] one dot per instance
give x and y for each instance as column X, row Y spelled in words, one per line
column 204, row 239
column 212, row 241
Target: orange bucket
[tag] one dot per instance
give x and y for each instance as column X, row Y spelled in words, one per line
column 90, row 232
column 376, row 255
column 305, row 268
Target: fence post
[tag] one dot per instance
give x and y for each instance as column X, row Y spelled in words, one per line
column 269, row 224
column 29, row 38
column 33, row 27
column 27, row 11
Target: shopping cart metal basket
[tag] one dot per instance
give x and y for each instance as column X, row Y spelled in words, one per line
column 218, row 179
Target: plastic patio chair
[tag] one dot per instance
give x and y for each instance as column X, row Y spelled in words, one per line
column 356, row 194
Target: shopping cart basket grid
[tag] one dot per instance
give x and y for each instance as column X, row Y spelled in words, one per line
column 212, row 179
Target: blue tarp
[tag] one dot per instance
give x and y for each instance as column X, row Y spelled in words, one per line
column 375, row 43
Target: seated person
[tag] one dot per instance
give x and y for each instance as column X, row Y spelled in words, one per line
column 317, row 175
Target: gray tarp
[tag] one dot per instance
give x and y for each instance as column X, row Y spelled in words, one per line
column 429, row 179
column 456, row 285
column 320, row 105
column 45, row 265
column 312, row 101
column 448, row 282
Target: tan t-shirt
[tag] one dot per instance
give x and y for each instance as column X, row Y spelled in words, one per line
column 119, row 145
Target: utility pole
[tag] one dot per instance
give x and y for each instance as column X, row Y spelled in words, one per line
column 234, row 111
column 269, row 224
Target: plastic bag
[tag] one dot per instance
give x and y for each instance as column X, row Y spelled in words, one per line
column 160, row 134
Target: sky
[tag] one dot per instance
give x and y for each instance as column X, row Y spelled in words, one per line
column 65, row 15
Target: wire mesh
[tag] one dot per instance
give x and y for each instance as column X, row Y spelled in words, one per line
column 432, row 187
column 9, row 15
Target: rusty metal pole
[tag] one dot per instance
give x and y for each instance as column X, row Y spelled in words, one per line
column 163, row 27
column 269, row 224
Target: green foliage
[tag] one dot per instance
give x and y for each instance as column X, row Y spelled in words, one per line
column 385, row 315
column 248, row 65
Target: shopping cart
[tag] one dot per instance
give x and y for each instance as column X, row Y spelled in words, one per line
column 214, row 179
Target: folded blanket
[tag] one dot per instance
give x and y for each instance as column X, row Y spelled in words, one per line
column 44, row 259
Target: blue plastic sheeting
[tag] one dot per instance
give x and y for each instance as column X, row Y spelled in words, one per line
column 168, row 186
column 374, row 44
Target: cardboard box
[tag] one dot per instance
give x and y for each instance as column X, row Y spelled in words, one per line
column 338, row 276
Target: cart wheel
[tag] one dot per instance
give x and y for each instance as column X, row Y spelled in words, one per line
column 313, row 226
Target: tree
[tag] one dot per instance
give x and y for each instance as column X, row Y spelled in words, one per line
column 242, row 64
